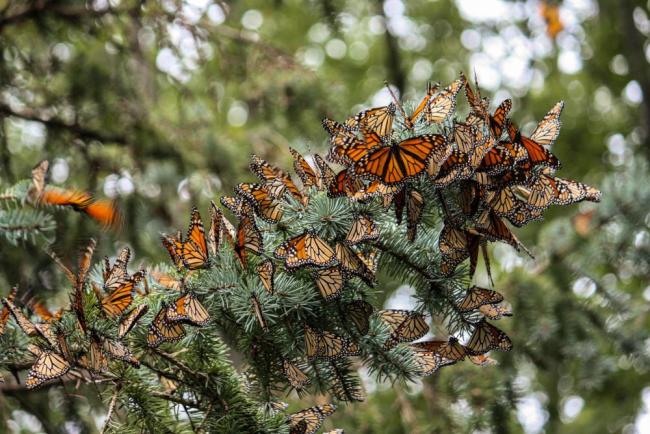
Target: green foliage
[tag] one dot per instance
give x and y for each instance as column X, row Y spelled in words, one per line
column 83, row 88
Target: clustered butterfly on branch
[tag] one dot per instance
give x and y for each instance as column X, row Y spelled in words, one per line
column 327, row 232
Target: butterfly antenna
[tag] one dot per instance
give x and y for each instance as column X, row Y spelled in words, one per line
column 397, row 103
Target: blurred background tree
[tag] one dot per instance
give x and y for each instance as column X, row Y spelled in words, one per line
column 159, row 104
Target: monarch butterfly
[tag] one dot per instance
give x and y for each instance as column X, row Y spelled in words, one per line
column 43, row 312
column 542, row 192
column 377, row 188
column 515, row 150
column 249, row 238
column 427, row 362
column 449, row 262
column 276, row 180
column 493, row 228
column 495, row 312
column 170, row 243
column 536, row 153
column 42, row 330
column 235, row 204
column 296, row 377
column 499, row 118
column 452, row 239
column 259, row 314
column 465, row 137
column 370, row 259
column 483, row 360
column 308, row 175
column 456, row 245
column 351, row 262
column 523, row 214
column 118, row 351
column 346, row 146
column 477, row 297
column 162, row 330
column 442, row 104
column 116, row 302
column 345, row 185
column 48, row 366
column 409, row 121
column 194, row 253
column 399, row 200
column 359, row 312
column 487, row 337
column 84, row 262
column 347, row 391
column 263, row 203
column 29, row 328
column 306, row 249
column 470, row 197
column 478, row 105
column 95, row 360
column 548, row 129
column 456, row 167
column 37, row 187
column 503, row 201
column 354, row 151
column 327, row 175
column 266, row 271
column 218, row 230
column 414, row 211
column 227, row 230
column 496, row 160
column 378, row 120
column 308, row 421
column 115, row 275
column 166, row 280
column 546, row 190
column 363, row 229
column 571, row 191
column 327, row 345
column 450, row 351
column 188, row 308
column 4, row 314
column 130, row 319
column 403, row 160
column 329, row 282
column 405, row 325
column 103, row 211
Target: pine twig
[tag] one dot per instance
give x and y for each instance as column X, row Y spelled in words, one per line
column 405, row 259
column 176, row 399
column 111, row 408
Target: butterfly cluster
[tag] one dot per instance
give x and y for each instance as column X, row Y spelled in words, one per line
column 89, row 347
column 484, row 170
column 481, row 171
